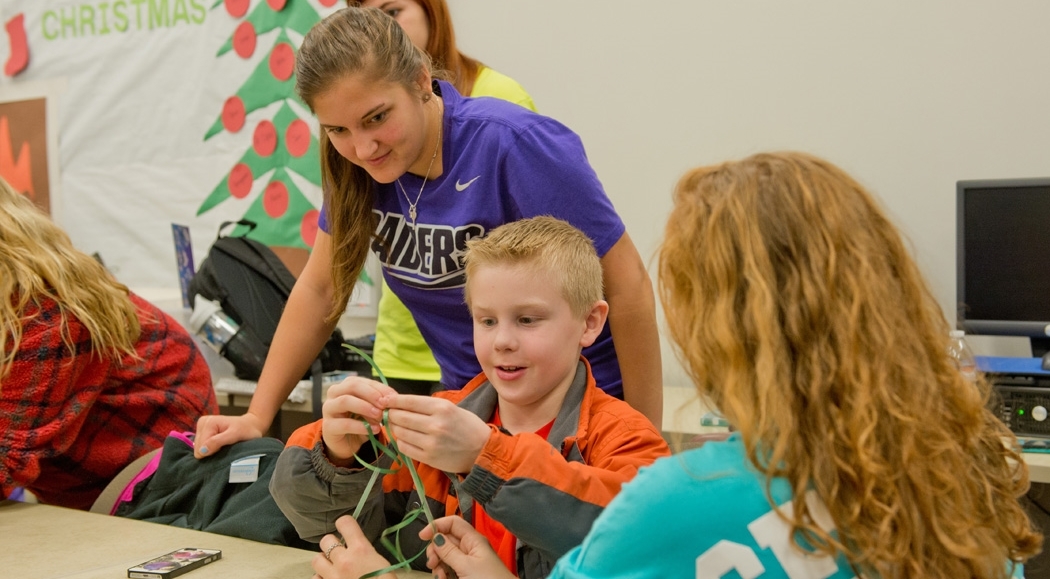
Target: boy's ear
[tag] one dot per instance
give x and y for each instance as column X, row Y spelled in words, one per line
column 594, row 322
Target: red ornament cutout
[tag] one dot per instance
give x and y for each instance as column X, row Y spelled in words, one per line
column 264, row 141
column 275, row 199
column 308, row 227
column 237, row 8
column 240, row 180
column 282, row 61
column 328, row 3
column 233, row 114
column 277, row 5
column 297, row 137
column 244, row 39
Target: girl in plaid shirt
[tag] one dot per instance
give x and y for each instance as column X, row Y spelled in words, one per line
column 91, row 376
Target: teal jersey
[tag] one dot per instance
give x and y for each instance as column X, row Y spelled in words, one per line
column 701, row 514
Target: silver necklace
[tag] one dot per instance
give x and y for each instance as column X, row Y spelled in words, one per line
column 412, row 204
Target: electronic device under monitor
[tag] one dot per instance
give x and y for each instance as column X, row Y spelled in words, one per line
column 1003, row 258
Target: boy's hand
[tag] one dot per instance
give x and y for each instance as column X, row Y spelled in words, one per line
column 349, row 402
column 436, row 432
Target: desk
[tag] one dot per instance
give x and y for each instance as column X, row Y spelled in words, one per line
column 1038, row 466
column 46, row 542
column 682, row 412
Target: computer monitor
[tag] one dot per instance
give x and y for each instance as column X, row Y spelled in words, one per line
column 1003, row 258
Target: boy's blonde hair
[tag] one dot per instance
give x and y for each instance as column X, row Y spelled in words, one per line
column 798, row 311
column 545, row 244
column 38, row 260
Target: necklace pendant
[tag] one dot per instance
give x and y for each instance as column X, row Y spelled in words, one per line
column 412, row 213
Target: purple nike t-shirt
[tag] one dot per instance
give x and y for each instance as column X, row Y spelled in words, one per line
column 502, row 163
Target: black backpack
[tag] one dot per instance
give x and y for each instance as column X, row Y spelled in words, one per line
column 251, row 284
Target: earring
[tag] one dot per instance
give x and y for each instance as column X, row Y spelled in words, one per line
column 426, row 97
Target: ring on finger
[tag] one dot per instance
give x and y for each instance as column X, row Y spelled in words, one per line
column 328, row 551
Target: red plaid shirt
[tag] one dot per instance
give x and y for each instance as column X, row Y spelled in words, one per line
column 70, row 421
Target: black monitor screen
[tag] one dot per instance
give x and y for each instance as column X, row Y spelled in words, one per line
column 1003, row 245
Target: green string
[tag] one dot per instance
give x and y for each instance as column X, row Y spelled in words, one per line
column 379, row 449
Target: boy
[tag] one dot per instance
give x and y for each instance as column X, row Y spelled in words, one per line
column 534, row 290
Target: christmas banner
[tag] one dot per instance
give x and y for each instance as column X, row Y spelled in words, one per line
column 162, row 112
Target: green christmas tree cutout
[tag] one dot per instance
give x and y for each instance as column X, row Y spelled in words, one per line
column 280, row 146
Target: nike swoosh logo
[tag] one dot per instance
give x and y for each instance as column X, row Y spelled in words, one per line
column 462, row 186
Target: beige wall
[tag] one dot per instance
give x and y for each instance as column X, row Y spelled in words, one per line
column 907, row 96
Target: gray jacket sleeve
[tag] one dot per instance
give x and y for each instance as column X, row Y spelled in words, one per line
column 313, row 493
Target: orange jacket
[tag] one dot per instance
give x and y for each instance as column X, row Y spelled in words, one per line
column 545, row 492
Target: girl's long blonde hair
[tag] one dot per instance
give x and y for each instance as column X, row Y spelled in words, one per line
column 37, row 261
column 798, row 312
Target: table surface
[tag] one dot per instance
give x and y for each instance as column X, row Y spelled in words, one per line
column 1038, row 466
column 682, row 412
column 46, row 542
column 54, row 542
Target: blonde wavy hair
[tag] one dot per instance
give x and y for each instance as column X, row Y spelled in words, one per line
column 798, row 312
column 37, row 261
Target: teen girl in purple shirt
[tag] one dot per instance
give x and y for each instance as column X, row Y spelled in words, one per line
column 411, row 171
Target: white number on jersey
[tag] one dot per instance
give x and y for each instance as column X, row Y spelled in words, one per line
column 770, row 532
